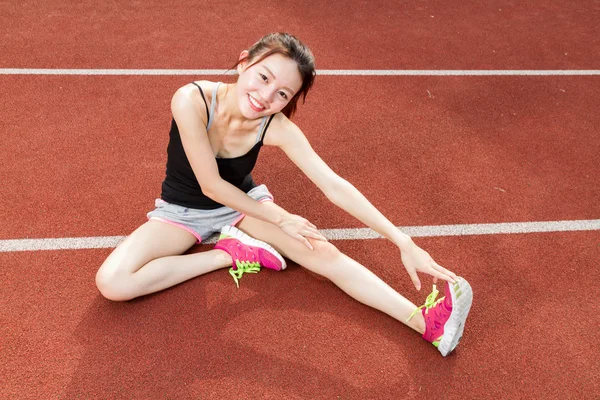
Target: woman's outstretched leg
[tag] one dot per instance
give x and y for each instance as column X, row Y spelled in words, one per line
column 350, row 276
column 150, row 260
column 440, row 321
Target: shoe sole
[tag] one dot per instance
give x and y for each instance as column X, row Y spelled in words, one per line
column 250, row 241
column 462, row 298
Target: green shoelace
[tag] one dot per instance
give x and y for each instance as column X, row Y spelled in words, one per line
column 242, row 268
column 430, row 301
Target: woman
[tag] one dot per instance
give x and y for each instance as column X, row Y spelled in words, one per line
column 216, row 134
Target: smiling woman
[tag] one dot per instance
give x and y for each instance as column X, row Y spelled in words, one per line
column 216, row 134
column 288, row 50
column 270, row 87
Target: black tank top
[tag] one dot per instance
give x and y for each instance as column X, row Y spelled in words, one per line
column 181, row 186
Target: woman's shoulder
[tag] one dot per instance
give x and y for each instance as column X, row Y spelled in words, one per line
column 207, row 87
column 188, row 96
column 280, row 130
column 190, row 90
column 187, row 101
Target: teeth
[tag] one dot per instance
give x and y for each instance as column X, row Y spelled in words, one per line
column 256, row 104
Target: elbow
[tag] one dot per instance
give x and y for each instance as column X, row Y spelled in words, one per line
column 210, row 188
column 208, row 191
column 337, row 191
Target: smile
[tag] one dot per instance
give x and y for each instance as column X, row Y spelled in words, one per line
column 256, row 106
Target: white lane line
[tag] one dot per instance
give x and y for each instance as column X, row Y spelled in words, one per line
column 458, row 72
column 333, row 234
column 339, row 72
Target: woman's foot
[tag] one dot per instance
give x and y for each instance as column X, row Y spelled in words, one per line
column 248, row 254
column 445, row 318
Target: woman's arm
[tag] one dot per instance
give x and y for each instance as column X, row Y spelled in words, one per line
column 191, row 119
column 339, row 191
column 344, row 195
column 190, row 115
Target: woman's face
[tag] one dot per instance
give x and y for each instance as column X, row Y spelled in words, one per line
column 266, row 87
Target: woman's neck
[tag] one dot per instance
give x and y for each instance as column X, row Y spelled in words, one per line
column 229, row 109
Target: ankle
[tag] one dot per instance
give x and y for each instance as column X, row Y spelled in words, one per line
column 417, row 322
column 223, row 257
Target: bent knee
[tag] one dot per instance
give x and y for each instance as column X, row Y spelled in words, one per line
column 322, row 259
column 112, row 286
column 324, row 251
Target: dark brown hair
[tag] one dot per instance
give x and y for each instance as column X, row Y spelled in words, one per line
column 289, row 46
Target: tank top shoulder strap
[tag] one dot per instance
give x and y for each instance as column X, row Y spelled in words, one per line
column 264, row 125
column 261, row 128
column 203, row 98
column 213, row 104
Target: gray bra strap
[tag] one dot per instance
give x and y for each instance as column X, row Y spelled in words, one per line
column 213, row 104
column 261, row 128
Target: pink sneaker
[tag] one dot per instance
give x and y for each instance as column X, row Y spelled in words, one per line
column 445, row 318
column 248, row 254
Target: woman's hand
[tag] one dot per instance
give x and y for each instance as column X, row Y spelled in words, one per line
column 300, row 229
column 415, row 259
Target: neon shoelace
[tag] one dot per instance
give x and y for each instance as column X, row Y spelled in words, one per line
column 242, row 268
column 430, row 302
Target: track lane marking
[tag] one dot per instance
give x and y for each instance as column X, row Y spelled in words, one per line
column 101, row 242
column 332, row 72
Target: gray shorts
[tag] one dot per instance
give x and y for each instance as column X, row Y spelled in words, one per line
column 203, row 223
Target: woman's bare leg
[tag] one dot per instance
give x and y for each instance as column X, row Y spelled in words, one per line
column 150, row 260
column 350, row 276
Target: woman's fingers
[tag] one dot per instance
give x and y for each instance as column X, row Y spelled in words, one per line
column 305, row 241
column 418, row 260
column 414, row 278
column 303, row 238
column 315, row 234
column 310, row 230
column 444, row 271
column 301, row 229
column 440, row 275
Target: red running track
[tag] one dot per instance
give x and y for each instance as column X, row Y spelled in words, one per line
column 478, row 150
column 378, row 34
column 84, row 156
column 294, row 335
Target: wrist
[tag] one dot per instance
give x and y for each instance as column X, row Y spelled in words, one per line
column 403, row 241
column 274, row 215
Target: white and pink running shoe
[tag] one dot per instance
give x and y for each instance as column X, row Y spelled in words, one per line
column 248, row 254
column 445, row 318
